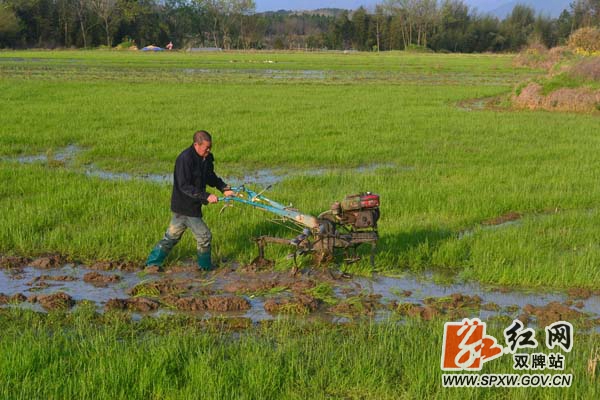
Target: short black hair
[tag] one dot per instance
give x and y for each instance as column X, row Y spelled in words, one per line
column 202, row 136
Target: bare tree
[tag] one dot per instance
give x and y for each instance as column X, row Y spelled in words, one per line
column 65, row 17
column 241, row 10
column 82, row 8
column 415, row 17
column 107, row 11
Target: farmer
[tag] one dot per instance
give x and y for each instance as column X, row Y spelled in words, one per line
column 193, row 171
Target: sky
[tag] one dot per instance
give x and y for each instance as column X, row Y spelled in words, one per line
column 481, row 5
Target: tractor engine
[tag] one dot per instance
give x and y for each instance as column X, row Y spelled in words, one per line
column 359, row 211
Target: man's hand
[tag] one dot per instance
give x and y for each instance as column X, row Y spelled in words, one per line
column 228, row 193
column 212, row 198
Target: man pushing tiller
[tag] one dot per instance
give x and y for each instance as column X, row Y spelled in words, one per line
column 194, row 170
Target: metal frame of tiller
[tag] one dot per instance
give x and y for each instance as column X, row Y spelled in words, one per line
column 320, row 235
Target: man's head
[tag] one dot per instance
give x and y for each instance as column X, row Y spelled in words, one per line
column 202, row 143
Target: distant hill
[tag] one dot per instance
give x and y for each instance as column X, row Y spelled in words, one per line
column 551, row 8
column 329, row 12
column 499, row 8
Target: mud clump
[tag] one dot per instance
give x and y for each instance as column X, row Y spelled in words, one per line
column 490, row 307
column 39, row 285
column 552, row 312
column 56, row 301
column 141, row 304
column 359, row 305
column 579, row 293
column 299, row 304
column 164, row 287
column 190, row 304
column 15, row 298
column 502, row 219
column 126, row 266
column 454, row 302
column 18, row 298
column 415, row 310
column 456, row 305
column 258, row 264
column 97, row 279
column 214, row 303
column 227, row 303
column 58, row 278
column 13, row 262
column 54, row 261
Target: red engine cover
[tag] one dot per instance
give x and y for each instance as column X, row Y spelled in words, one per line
column 369, row 200
column 360, row 201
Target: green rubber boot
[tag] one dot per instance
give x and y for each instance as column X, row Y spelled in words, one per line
column 156, row 257
column 204, row 259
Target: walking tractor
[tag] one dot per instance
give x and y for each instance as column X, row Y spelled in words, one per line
column 346, row 225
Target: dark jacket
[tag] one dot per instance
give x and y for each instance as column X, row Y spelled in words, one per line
column 192, row 174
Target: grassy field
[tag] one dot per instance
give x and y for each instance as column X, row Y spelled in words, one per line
column 443, row 170
column 401, row 125
column 83, row 355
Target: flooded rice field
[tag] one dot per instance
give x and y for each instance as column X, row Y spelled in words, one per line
column 252, row 294
column 264, row 177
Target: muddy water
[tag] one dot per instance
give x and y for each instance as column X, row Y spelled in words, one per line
column 510, row 301
column 379, row 296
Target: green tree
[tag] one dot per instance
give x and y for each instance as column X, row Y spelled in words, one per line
column 360, row 29
column 564, row 26
column 545, row 31
column 9, row 25
column 484, row 34
column 451, row 31
column 518, row 26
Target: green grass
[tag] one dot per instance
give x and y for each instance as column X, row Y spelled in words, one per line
column 443, row 170
column 565, row 80
column 83, row 355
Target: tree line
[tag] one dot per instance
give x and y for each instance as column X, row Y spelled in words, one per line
column 446, row 25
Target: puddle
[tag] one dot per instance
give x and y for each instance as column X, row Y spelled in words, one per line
column 487, row 227
column 64, row 154
column 480, row 104
column 263, row 177
column 124, row 176
column 183, row 289
column 420, row 289
column 266, row 73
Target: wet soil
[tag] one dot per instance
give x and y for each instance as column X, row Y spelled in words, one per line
column 141, row 304
column 14, row 299
column 13, row 262
column 116, row 265
column 553, row 312
column 298, row 304
column 455, row 306
column 98, row 279
column 53, row 261
column 362, row 304
column 216, row 303
column 55, row 301
column 502, row 219
column 258, row 294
